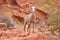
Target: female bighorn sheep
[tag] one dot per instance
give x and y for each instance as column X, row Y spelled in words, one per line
column 30, row 19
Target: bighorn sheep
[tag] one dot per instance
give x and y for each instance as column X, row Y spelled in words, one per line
column 30, row 19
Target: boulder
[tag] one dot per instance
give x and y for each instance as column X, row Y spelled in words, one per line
column 10, row 2
column 32, row 37
column 3, row 26
column 40, row 37
column 36, row 37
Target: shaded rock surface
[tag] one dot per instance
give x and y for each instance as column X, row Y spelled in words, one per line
column 3, row 26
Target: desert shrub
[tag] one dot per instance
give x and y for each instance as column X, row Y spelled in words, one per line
column 53, row 30
column 54, row 19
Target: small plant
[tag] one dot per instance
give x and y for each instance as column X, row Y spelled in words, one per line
column 53, row 30
column 54, row 19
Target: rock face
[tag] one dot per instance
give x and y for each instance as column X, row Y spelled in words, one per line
column 25, row 8
column 19, row 8
column 36, row 37
column 1, row 1
column 20, row 35
column 10, row 2
column 3, row 26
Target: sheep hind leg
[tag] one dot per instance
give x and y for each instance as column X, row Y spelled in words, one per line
column 28, row 29
column 25, row 26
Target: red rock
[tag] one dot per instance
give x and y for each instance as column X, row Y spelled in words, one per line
column 8, row 34
column 13, row 38
column 24, row 10
column 22, row 34
column 21, row 38
column 3, row 26
column 36, row 37
column 22, row 3
column 3, row 37
column 13, row 33
column 1, row 1
column 32, row 37
column 34, row 1
column 40, row 37
column 10, row 1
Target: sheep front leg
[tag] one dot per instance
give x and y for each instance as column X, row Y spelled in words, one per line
column 34, row 22
column 24, row 26
column 28, row 29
